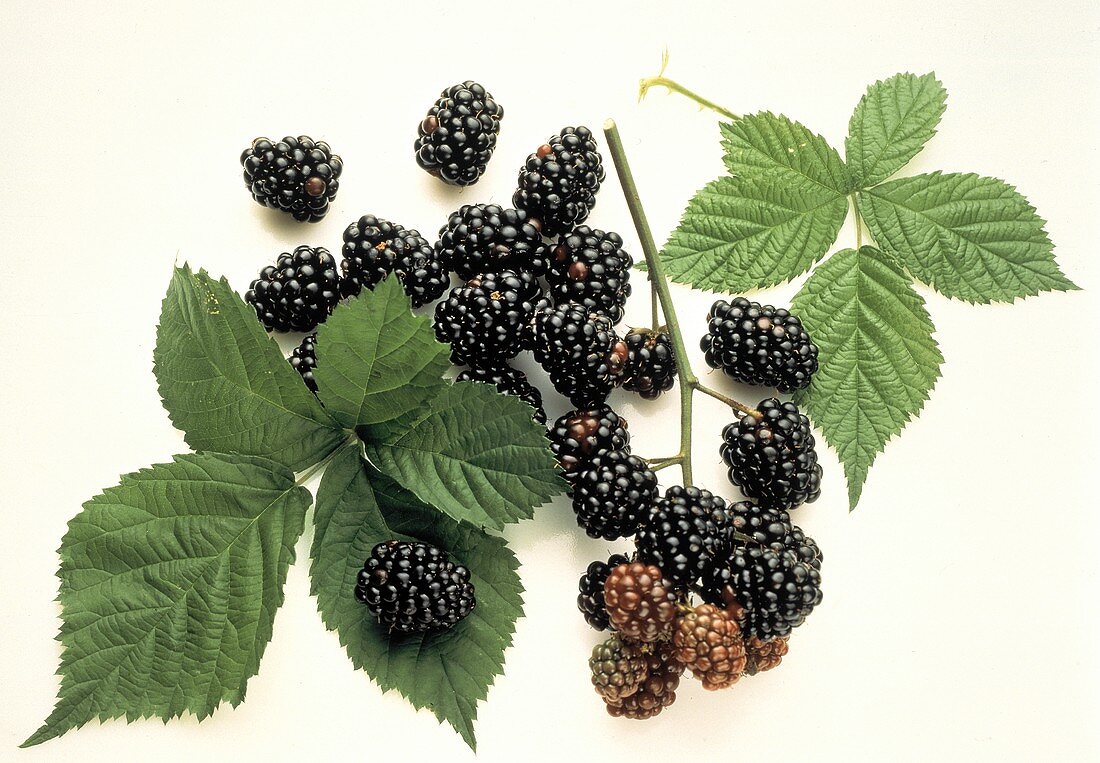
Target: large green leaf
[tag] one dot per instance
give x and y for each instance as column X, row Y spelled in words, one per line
column 169, row 584
column 765, row 143
column 448, row 672
column 475, row 455
column 225, row 383
column 878, row 358
column 891, row 124
column 751, row 232
column 376, row 361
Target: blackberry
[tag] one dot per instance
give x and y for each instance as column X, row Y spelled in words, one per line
column 374, row 248
column 612, row 496
column 657, row 691
column 772, row 458
column 589, row 267
column 709, row 644
column 303, row 359
column 456, row 139
column 764, row 346
column 483, row 238
column 509, row 381
column 764, row 655
column 651, row 363
column 762, row 524
column 558, row 183
column 485, row 319
column 618, row 669
column 414, row 587
column 579, row 436
column 298, row 292
column 298, row 176
column 688, row 531
column 580, row 352
column 590, row 600
column 641, row 603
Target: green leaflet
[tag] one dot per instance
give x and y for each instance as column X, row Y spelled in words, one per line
column 376, row 361
column 225, row 383
column 970, row 237
column 891, row 124
column 169, row 584
column 774, row 146
column 878, row 358
column 448, row 672
column 476, row 455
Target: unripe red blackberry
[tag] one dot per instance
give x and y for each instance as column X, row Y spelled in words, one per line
column 641, row 603
column 709, row 644
column 764, row 655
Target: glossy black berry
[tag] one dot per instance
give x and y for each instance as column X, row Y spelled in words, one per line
column 456, row 139
column 773, row 459
column 374, row 248
column 688, row 532
column 650, row 364
column 298, row 292
column 613, row 495
column 486, row 320
column 760, row 345
column 558, row 183
column 509, row 381
column 590, row 600
column 414, row 587
column 298, row 176
column 580, row 352
column 484, row 238
column 591, row 268
column 303, row 359
column 579, row 436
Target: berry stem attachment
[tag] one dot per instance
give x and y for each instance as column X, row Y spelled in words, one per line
column 675, row 87
column 859, row 221
column 352, row 440
column 734, row 404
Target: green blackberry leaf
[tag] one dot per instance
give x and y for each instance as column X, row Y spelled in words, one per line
column 225, row 382
column 448, row 672
column 767, row 144
column 970, row 237
column 475, row 455
column 169, row 584
column 891, row 124
column 376, row 361
column 878, row 358
column 752, row 232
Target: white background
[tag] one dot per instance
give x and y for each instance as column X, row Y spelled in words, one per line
column 960, row 613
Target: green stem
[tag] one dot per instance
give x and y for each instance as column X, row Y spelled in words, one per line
column 734, row 404
column 654, row 303
column 675, row 87
column 308, row 473
column 859, row 221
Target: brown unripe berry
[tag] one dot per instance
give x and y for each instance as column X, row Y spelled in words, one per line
column 641, row 604
column 764, row 655
column 709, row 643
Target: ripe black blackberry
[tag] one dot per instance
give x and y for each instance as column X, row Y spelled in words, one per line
column 591, row 268
column 558, row 183
column 298, row 176
column 298, row 292
column 612, row 496
column 456, row 139
column 590, row 600
column 765, row 346
column 303, row 359
column 773, row 458
column 485, row 319
column 580, row 351
column 509, row 381
column 484, row 238
column 374, row 248
column 688, row 531
column 651, row 363
column 763, row 524
column 414, row 587
column 579, row 436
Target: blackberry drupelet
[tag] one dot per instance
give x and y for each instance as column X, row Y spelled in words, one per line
column 456, row 139
column 303, row 359
column 485, row 319
column 579, row 436
column 688, row 531
column 374, row 248
column 589, row 267
column 590, row 600
column 765, row 346
column 509, row 381
column 298, row 292
column 618, row 669
column 657, row 691
column 483, row 238
column 641, row 603
column 580, row 352
column 772, row 459
column 651, row 363
column 612, row 496
column 558, row 183
column 414, row 587
column 709, row 644
column 298, row 176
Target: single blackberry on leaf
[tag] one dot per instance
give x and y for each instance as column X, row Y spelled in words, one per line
column 641, row 603
column 772, row 458
column 709, row 644
column 303, row 359
column 414, row 587
column 298, row 176
column 558, row 183
column 580, row 352
column 657, row 690
column 590, row 267
column 618, row 669
column 374, row 248
column 759, row 345
column 484, row 238
column 485, row 319
column 579, row 436
column 590, row 600
column 612, row 496
column 651, row 363
column 687, row 532
column 508, row 381
column 455, row 141
column 298, row 292
column 764, row 655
